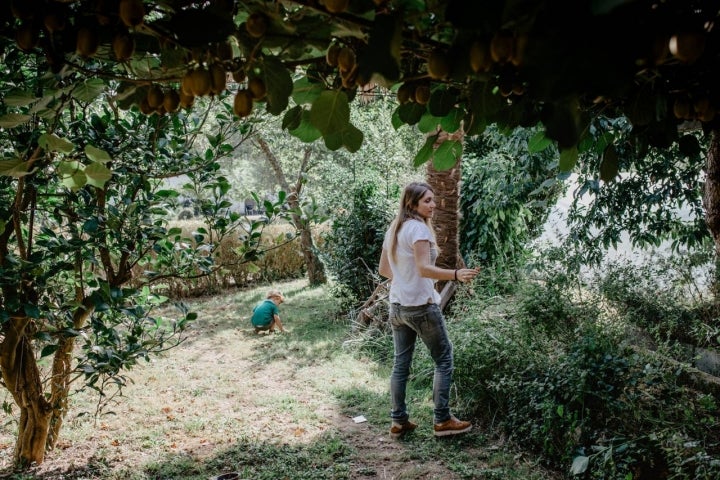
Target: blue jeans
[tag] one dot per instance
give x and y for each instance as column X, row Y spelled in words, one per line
column 428, row 323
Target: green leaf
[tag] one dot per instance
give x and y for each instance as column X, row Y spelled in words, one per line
column 48, row 350
column 89, row 90
column 292, row 118
column 279, row 85
column 330, row 113
column 609, row 164
column 447, row 155
column 396, row 120
column 306, row 131
column 452, row 121
column 568, row 159
column 72, row 174
column 305, row 91
column 53, row 143
column 19, row 98
column 411, row 112
column 97, row 174
column 442, row 101
column 15, row 167
column 426, row 152
column 12, row 120
column 353, row 139
column 97, row 155
column 538, row 142
column 484, row 104
column 428, row 123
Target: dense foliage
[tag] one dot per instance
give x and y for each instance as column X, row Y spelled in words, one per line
column 453, row 63
column 553, row 371
column 354, row 242
column 506, row 194
column 659, row 197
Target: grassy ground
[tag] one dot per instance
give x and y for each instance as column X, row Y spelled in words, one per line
column 265, row 406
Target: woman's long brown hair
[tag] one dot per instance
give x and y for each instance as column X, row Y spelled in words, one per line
column 411, row 197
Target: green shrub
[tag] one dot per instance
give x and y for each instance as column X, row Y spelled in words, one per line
column 554, row 374
column 353, row 244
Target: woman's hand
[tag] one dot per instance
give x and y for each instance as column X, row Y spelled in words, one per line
column 466, row 274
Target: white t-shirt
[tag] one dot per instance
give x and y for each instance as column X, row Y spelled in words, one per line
column 408, row 288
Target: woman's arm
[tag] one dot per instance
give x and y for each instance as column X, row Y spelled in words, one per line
column 421, row 251
column 384, row 268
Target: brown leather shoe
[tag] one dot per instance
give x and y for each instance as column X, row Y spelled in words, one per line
column 453, row 426
column 399, row 429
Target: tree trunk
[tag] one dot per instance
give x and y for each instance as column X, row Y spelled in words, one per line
column 446, row 185
column 315, row 267
column 711, row 202
column 62, row 369
column 22, row 379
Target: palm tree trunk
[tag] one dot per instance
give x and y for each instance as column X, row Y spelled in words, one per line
column 446, row 184
column 711, row 202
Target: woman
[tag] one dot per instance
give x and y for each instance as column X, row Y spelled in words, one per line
column 408, row 260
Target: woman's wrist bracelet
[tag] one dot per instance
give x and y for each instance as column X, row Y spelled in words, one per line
column 456, row 274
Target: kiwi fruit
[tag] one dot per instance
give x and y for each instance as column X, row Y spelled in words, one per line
column 331, row 56
column 479, row 54
column 123, row 45
column 422, row 94
column 346, row 59
column 186, row 84
column 682, row 108
column 687, row 46
column 54, row 22
column 256, row 25
column 27, row 37
column 257, row 88
column 186, row 100
column 171, row 101
column 223, row 51
column 218, row 78
column 502, row 46
column 700, row 105
column 23, row 9
column 518, row 88
column 87, row 42
column 200, row 82
column 404, row 93
column 155, row 96
column 350, row 78
column 336, row 6
column 243, row 103
column 132, row 12
column 707, row 115
column 145, row 107
column 438, row 66
column 518, row 52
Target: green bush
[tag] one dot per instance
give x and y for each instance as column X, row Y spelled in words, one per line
column 578, row 392
column 352, row 247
